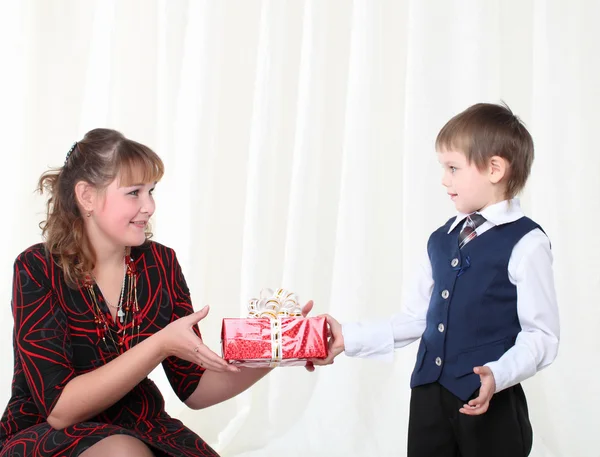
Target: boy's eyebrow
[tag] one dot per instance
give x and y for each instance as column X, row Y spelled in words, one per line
column 448, row 162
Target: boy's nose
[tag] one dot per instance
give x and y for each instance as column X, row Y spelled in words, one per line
column 445, row 180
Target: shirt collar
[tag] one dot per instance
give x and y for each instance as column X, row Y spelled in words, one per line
column 499, row 213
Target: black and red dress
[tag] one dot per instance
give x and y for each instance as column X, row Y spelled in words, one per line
column 57, row 338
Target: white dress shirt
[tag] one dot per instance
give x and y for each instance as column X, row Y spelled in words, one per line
column 529, row 269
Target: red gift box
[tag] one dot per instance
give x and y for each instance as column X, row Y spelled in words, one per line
column 269, row 342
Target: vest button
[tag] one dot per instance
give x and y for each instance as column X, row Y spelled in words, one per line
column 454, row 262
column 445, row 294
column 441, row 328
column 438, row 361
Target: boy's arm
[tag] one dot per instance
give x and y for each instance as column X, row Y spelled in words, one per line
column 377, row 340
column 536, row 346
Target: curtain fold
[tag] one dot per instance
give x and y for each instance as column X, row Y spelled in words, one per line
column 298, row 139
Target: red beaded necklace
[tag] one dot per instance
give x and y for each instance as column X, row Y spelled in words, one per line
column 128, row 311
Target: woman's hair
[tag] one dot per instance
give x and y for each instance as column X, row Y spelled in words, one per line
column 98, row 159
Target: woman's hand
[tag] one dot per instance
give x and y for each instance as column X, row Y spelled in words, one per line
column 178, row 339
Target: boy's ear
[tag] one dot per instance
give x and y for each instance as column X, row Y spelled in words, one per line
column 497, row 169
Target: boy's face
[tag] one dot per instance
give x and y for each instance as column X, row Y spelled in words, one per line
column 469, row 188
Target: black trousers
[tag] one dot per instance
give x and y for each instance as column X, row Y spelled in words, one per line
column 437, row 429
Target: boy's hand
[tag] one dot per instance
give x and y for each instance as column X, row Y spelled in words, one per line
column 336, row 342
column 306, row 309
column 481, row 404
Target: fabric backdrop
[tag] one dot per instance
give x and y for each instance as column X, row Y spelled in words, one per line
column 298, row 139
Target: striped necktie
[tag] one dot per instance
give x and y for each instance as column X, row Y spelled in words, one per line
column 468, row 232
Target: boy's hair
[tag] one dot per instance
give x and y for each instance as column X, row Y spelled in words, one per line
column 485, row 130
column 98, row 159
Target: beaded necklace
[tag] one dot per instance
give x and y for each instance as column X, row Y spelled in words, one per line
column 127, row 332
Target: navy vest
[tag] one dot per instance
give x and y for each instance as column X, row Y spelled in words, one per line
column 472, row 316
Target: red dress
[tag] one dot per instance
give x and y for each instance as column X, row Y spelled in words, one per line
column 55, row 339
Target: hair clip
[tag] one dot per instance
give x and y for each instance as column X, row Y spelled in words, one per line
column 73, row 146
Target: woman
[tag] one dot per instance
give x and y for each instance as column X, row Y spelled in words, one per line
column 97, row 307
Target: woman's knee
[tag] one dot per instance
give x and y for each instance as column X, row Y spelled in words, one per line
column 118, row 446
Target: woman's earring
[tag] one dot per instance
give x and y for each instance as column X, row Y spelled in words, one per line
column 88, row 214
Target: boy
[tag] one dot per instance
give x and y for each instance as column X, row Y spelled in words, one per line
column 483, row 303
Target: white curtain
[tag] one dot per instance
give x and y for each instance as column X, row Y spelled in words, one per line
column 298, row 138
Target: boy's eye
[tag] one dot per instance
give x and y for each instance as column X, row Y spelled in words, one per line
column 452, row 169
column 134, row 192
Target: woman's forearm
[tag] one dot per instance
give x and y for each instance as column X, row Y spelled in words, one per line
column 89, row 394
column 215, row 387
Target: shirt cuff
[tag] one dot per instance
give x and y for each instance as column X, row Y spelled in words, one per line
column 369, row 340
column 499, row 378
column 508, row 373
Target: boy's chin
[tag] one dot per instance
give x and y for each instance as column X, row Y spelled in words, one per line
column 458, row 207
column 464, row 209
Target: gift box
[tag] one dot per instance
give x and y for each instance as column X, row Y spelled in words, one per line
column 274, row 333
